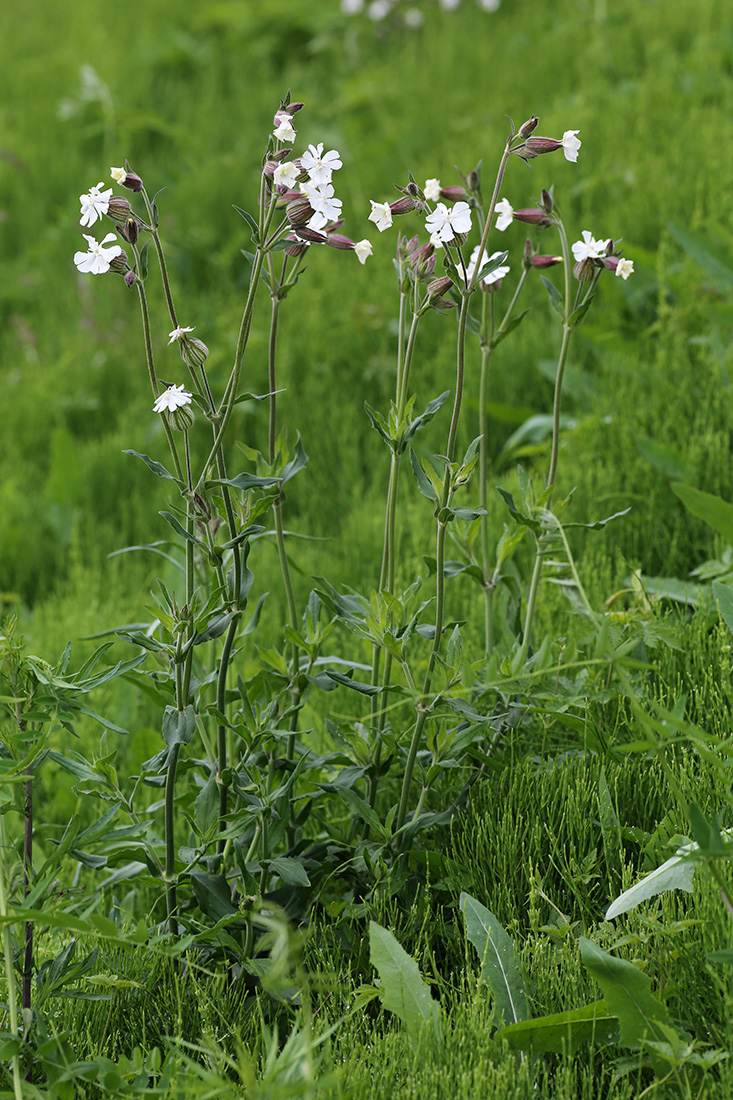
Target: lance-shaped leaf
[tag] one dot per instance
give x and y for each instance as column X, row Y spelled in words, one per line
column 298, row 462
column 675, row 874
column 502, row 333
column 520, row 517
column 427, row 480
column 563, row 1032
column 713, row 510
column 157, row 467
column 244, row 481
column 403, row 990
column 425, row 417
column 499, row 962
column 556, row 298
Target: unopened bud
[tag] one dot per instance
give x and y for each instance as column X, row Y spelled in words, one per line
column 585, row 270
column 181, row 418
column 454, row 194
column 438, row 287
column 528, row 127
column 473, row 180
column 297, row 248
column 532, row 216
column 132, row 182
column 546, row 201
column 130, row 230
column 202, row 506
column 546, row 261
column 120, row 264
column 527, row 255
column 299, row 211
column 130, row 279
column 404, row 205
column 422, row 261
column 536, row 146
column 311, row 235
column 118, row 209
column 194, row 352
column 336, row 240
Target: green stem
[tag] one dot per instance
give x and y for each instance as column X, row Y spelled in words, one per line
column 9, row 967
column 151, row 368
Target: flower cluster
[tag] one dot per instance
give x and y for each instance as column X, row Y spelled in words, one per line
column 408, row 13
column 590, row 254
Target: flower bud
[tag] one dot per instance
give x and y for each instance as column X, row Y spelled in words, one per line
column 119, row 263
column 132, row 182
column 194, row 352
column 585, row 270
column 454, row 194
column 305, row 234
column 131, row 230
column 404, row 205
column 118, row 209
column 546, row 201
column 299, row 211
column 202, row 506
column 536, row 146
column 438, row 287
column 336, row 240
column 181, row 418
column 130, row 279
column 532, row 216
column 422, row 261
column 546, row 261
column 473, row 180
column 527, row 255
column 297, row 248
column 528, row 127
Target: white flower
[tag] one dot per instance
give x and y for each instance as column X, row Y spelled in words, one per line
column 363, row 250
column 351, row 7
column 378, row 9
column 119, row 175
column 175, row 397
column 587, row 249
column 94, row 204
column 414, row 18
column 432, row 190
column 284, row 127
column 505, row 210
column 178, row 333
column 571, row 145
column 435, row 240
column 381, row 215
column 285, row 175
column 100, row 255
column 446, row 223
column 320, row 166
column 450, row 5
column 326, row 208
column 495, row 275
column 625, row 268
column 489, row 5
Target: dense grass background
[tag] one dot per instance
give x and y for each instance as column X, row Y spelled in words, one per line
column 186, row 93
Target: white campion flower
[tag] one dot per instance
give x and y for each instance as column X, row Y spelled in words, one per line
column 450, row 5
column 494, row 276
column 320, row 166
column 285, row 175
column 587, row 249
column 489, row 5
column 119, row 175
column 625, row 268
column 571, row 145
column 431, row 190
column 363, row 250
column 94, row 204
column 178, row 333
column 381, row 215
column 352, row 7
column 414, row 18
column 379, row 9
column 446, row 223
column 97, row 260
column 326, row 207
column 505, row 212
column 284, row 127
column 175, row 397
column 435, row 240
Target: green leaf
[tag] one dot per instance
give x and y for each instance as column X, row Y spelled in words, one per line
column 627, row 993
column 250, row 222
column 502, row 333
column 403, row 990
column 499, row 962
column 663, row 458
column 563, row 1032
column 179, row 528
column 556, row 299
column 214, row 895
column 423, row 481
column 713, row 510
column 298, row 462
column 290, row 870
column 723, row 594
column 425, row 417
column 178, row 725
column 364, row 689
column 157, row 467
column 675, row 874
column 519, row 516
column 206, row 806
column 244, row 481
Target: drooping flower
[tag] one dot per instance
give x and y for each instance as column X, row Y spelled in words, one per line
column 175, row 397
column 363, row 250
column 381, row 215
column 320, row 166
column 447, row 223
column 431, row 190
column 494, row 276
column 571, row 145
column 94, row 204
column 588, row 249
column 505, row 212
column 284, row 127
column 97, row 260
column 178, row 333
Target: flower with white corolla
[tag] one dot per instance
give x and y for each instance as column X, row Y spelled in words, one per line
column 285, row 175
column 588, row 249
column 446, row 224
column 489, row 5
column 320, row 166
column 381, row 215
column 379, row 9
column 571, row 145
column 178, row 333
column 624, row 268
column 175, row 397
column 94, row 204
column 431, row 190
column 505, row 212
column 352, row 7
column 98, row 259
column 494, row 276
column 284, row 127
column 326, row 207
column 363, row 250
column 413, row 18
column 435, row 240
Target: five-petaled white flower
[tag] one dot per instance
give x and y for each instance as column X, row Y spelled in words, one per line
column 494, row 276
column 94, row 204
column 285, row 175
column 284, row 127
column 100, row 255
column 381, row 215
column 505, row 212
column 431, row 190
column 363, row 250
column 446, row 223
column 571, row 145
column 588, row 249
column 178, row 333
column 175, row 397
column 326, row 207
column 625, row 268
column 320, row 166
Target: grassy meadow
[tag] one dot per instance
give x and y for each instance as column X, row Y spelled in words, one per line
column 568, row 814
